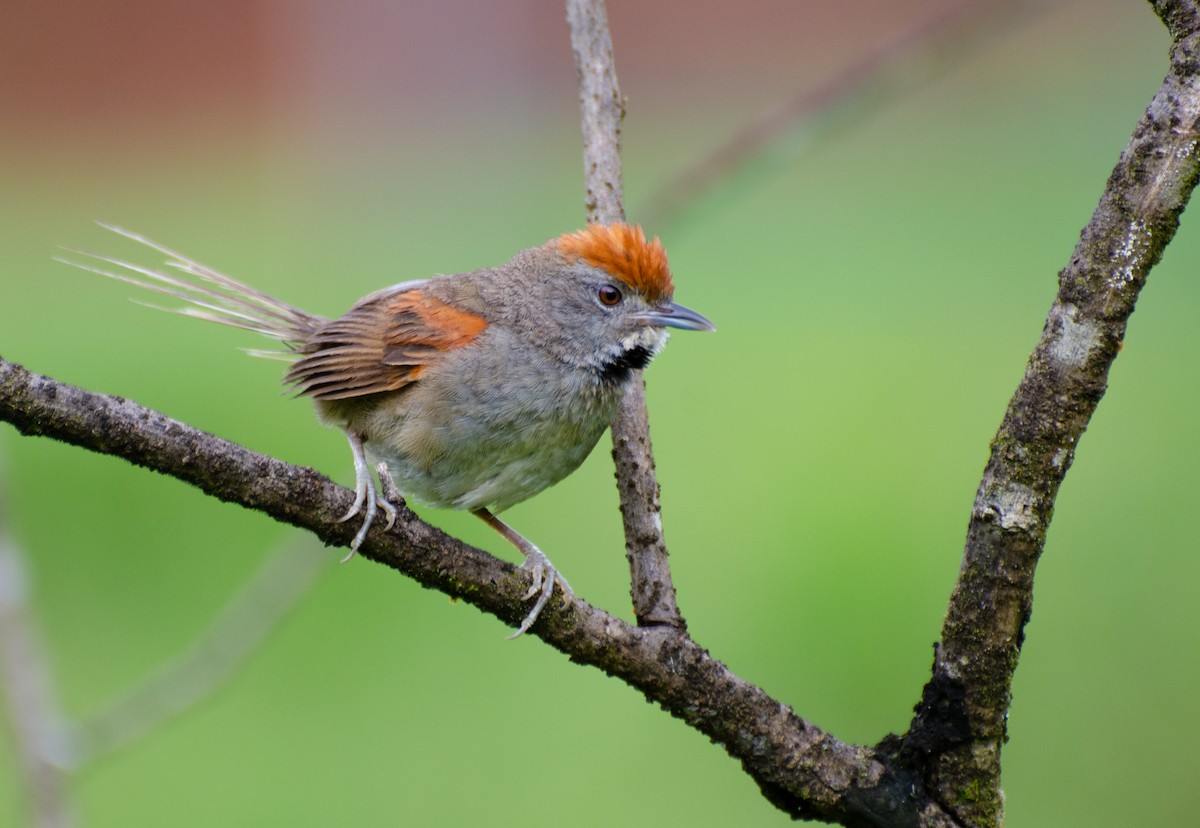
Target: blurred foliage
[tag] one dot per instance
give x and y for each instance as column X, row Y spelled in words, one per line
column 876, row 301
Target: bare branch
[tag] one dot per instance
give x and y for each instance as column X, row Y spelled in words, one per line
column 29, row 693
column 945, row 771
column 961, row 718
column 800, row 767
column 194, row 674
column 602, row 109
column 892, row 68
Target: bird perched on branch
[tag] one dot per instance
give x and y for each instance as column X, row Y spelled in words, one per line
column 472, row 391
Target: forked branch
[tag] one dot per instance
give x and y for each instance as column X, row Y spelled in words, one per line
column 946, row 770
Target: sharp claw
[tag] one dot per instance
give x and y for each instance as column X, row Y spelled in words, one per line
column 366, row 494
column 544, row 577
column 363, row 485
column 390, row 510
column 360, row 497
column 568, row 594
column 387, row 494
column 366, row 524
column 537, row 571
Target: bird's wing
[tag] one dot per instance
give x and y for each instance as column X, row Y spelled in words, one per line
column 383, row 343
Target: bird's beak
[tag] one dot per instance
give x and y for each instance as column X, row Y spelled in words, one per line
column 670, row 315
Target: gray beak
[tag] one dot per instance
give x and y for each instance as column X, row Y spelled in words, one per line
column 670, row 315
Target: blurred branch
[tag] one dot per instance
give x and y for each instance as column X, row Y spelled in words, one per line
column 601, row 110
column 29, row 692
column 48, row 747
column 233, row 635
column 893, row 68
column 962, row 715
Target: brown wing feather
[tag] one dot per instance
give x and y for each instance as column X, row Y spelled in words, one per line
column 381, row 345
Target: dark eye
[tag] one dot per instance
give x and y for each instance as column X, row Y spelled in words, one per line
column 609, row 295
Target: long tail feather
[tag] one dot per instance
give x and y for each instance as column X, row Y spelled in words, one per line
column 211, row 296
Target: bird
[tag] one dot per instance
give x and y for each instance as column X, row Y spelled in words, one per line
column 471, row 391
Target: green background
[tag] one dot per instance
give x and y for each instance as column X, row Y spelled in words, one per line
column 876, row 294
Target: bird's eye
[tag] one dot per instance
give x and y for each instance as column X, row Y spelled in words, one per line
column 609, row 295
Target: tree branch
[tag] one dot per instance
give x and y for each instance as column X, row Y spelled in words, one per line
column 800, row 766
column 601, row 111
column 962, row 715
column 946, row 770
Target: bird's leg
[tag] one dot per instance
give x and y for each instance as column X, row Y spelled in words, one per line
column 539, row 566
column 364, row 494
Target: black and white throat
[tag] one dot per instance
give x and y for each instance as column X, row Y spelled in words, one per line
column 633, row 353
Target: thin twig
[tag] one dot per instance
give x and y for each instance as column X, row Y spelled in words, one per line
column 946, row 770
column 28, row 689
column 192, row 675
column 601, row 111
column 893, row 68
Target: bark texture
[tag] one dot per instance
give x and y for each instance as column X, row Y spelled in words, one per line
column 960, row 722
column 794, row 761
column 601, row 110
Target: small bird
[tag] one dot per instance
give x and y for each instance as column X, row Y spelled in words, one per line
column 469, row 391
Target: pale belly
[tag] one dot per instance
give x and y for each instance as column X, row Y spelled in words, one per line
column 465, row 457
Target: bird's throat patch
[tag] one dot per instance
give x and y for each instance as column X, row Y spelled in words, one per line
column 617, row 371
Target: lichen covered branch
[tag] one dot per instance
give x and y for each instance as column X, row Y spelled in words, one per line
column 961, row 718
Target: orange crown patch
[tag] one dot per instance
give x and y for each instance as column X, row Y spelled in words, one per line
column 623, row 251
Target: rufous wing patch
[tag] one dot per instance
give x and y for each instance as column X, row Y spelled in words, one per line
column 622, row 250
column 381, row 345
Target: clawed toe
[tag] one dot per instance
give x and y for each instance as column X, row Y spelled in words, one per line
column 542, row 573
column 537, row 569
column 390, row 510
column 365, row 494
column 544, row 577
column 388, row 494
column 360, row 497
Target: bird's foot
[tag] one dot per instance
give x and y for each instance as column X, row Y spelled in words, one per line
column 545, row 575
column 365, row 494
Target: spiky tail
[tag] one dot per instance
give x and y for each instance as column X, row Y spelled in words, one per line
column 212, row 296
